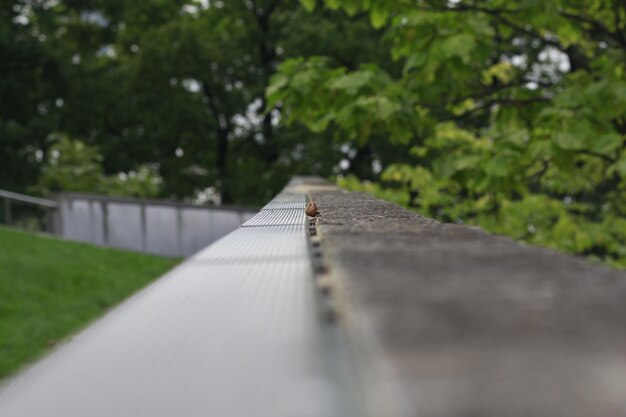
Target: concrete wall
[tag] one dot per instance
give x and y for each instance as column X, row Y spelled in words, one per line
column 449, row 321
column 151, row 226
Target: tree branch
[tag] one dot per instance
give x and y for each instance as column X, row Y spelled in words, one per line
column 514, row 102
column 492, row 90
column 597, row 155
column 497, row 14
column 598, row 26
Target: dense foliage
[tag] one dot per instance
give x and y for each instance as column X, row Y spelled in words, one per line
column 508, row 115
column 173, row 86
column 73, row 165
column 512, row 114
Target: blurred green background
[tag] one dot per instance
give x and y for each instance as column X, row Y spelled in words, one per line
column 507, row 115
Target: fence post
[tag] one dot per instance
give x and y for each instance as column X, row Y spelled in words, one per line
column 7, row 212
column 144, row 227
column 55, row 226
column 105, row 222
column 179, row 230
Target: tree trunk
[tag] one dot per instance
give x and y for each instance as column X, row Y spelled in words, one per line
column 361, row 164
column 222, row 131
column 267, row 56
column 222, row 163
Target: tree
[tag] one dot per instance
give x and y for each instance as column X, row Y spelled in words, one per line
column 219, row 64
column 71, row 165
column 177, row 85
column 513, row 114
column 31, row 81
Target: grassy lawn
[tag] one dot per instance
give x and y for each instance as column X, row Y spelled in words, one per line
column 49, row 288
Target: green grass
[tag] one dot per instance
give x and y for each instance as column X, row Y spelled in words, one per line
column 50, row 288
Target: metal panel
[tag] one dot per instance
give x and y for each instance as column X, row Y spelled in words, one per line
column 257, row 244
column 195, row 230
column 244, row 217
column 96, row 219
column 281, row 205
column 289, row 197
column 124, row 226
column 277, row 218
column 219, row 340
column 82, row 224
column 223, row 222
column 161, row 230
column 151, row 202
column 234, row 331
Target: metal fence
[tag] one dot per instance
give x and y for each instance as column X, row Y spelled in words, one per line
column 152, row 226
column 28, row 212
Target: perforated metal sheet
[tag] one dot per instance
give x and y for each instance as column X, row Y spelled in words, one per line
column 281, row 205
column 223, row 340
column 234, row 331
column 262, row 244
column 289, row 197
column 277, row 218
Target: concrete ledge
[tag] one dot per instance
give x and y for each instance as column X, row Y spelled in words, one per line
column 448, row 320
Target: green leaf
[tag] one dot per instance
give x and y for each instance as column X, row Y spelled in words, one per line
column 498, row 166
column 619, row 167
column 468, row 161
column 607, row 143
column 386, row 107
column 414, row 61
column 502, row 71
column 352, row 82
column 570, row 141
column 459, row 45
column 309, row 5
column 303, row 81
column 378, row 16
column 278, row 81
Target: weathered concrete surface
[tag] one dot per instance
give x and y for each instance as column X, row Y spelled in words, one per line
column 473, row 325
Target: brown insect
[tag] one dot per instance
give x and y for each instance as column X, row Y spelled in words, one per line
column 311, row 210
